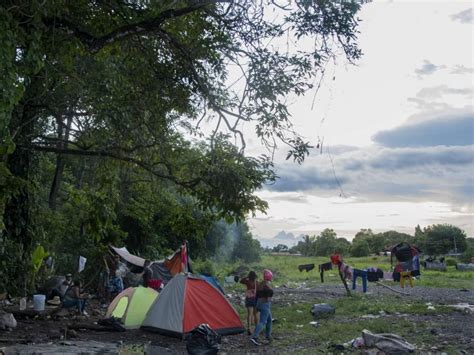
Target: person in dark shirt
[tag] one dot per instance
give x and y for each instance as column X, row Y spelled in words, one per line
column 250, row 298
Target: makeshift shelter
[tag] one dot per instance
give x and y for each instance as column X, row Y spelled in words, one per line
column 162, row 269
column 131, row 305
column 213, row 281
column 408, row 259
column 187, row 302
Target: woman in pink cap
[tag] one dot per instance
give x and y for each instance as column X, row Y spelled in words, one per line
column 264, row 297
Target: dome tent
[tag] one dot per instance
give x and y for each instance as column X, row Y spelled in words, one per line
column 187, row 302
column 131, row 305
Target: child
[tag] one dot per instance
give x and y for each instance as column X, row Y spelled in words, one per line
column 264, row 297
column 250, row 298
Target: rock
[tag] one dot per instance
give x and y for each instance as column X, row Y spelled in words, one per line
column 72, row 333
column 321, row 310
column 7, row 321
column 55, row 334
column 61, row 312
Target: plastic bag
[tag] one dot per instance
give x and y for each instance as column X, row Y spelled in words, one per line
column 203, row 340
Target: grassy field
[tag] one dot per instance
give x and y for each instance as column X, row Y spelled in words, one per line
column 410, row 318
column 285, row 269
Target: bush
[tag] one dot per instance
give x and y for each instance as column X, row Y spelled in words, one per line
column 468, row 254
column 204, row 267
column 451, row 262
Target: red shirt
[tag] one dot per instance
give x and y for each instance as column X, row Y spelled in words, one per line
column 335, row 259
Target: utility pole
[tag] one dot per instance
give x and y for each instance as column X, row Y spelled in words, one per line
column 455, row 249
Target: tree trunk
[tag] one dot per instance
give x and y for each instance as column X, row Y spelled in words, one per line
column 63, row 137
column 17, row 209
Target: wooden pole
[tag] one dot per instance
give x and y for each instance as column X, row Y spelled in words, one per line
column 343, row 279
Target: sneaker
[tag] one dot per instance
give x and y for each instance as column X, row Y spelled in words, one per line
column 269, row 340
column 255, row 341
column 84, row 313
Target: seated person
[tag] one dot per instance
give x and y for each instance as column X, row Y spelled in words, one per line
column 74, row 298
column 148, row 280
column 115, row 285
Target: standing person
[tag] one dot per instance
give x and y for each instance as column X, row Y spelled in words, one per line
column 250, row 299
column 115, row 285
column 264, row 297
column 74, row 298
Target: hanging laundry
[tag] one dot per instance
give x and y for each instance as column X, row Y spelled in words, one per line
column 324, row 267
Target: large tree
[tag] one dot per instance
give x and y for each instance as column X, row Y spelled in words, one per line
column 443, row 239
column 134, row 82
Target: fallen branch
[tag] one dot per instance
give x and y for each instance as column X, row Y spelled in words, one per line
column 31, row 313
column 96, row 327
column 392, row 289
column 343, row 279
column 13, row 340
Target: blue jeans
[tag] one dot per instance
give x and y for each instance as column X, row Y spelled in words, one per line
column 77, row 302
column 363, row 276
column 265, row 320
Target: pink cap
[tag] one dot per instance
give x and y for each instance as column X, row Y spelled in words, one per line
column 267, row 275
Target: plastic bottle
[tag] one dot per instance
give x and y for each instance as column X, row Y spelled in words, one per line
column 22, row 303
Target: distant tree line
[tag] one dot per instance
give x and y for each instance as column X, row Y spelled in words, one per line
column 435, row 239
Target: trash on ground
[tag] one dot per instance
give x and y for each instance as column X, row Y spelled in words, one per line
column 358, row 343
column 203, row 340
column 314, row 324
column 7, row 321
column 321, row 310
column 387, row 342
column 370, row 316
column 464, row 307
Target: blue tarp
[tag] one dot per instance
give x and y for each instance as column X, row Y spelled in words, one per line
column 212, row 280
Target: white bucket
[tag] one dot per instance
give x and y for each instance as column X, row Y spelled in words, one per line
column 38, row 302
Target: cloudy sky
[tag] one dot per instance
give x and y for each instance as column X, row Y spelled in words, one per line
column 397, row 130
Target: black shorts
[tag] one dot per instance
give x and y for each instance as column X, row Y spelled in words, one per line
column 250, row 302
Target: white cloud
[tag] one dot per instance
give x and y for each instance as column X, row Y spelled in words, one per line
column 465, row 16
column 428, row 68
column 394, row 187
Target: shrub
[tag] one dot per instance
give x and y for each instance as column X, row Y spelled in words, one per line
column 204, row 267
column 451, row 262
column 468, row 254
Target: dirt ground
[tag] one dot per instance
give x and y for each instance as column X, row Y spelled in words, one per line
column 456, row 328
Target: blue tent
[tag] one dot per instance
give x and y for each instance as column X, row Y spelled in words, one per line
column 213, row 281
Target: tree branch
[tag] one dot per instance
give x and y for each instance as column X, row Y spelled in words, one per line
column 99, row 153
column 96, row 43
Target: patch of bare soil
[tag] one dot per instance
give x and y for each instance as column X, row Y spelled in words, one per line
column 454, row 329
